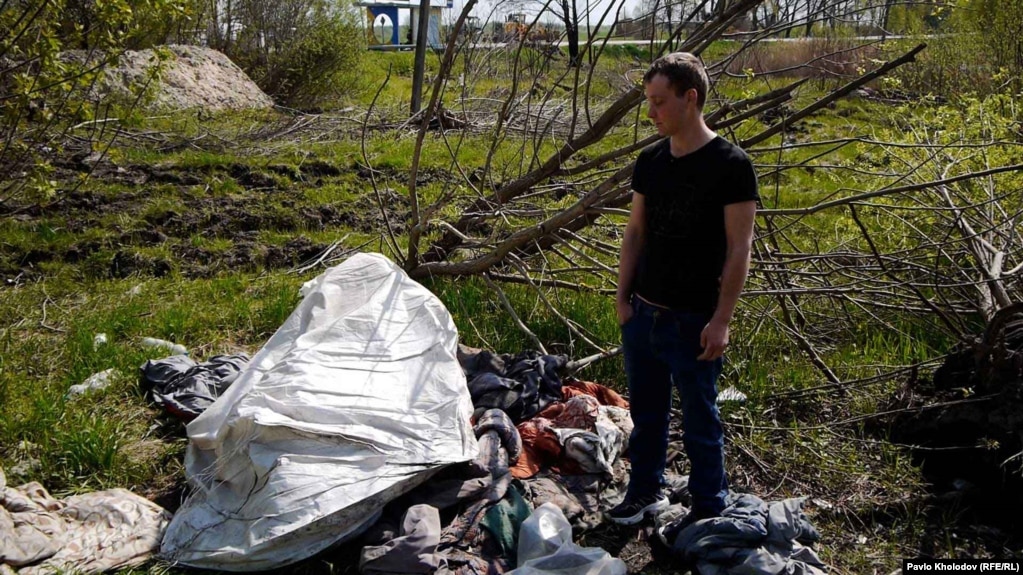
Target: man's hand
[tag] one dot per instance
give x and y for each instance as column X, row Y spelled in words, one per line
column 624, row 311
column 713, row 340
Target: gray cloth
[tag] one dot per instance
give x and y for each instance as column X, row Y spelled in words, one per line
column 521, row 385
column 499, row 444
column 497, row 439
column 498, row 421
column 413, row 551
column 440, row 494
column 465, row 546
column 448, row 492
column 186, row 388
column 583, row 498
column 752, row 538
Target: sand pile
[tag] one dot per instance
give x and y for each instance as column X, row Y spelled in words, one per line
column 192, row 77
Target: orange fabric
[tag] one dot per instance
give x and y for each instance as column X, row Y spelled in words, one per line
column 570, row 392
column 552, row 411
column 579, row 413
column 540, row 447
column 605, row 395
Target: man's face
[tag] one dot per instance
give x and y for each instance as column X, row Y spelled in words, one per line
column 668, row 110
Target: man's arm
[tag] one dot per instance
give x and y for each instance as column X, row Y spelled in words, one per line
column 739, row 236
column 632, row 246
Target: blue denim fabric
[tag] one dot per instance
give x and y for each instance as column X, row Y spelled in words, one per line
column 660, row 348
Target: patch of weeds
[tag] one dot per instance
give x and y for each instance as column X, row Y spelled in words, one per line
column 212, row 244
column 200, row 159
column 90, row 448
column 250, row 177
column 101, row 439
column 162, row 209
column 218, row 186
column 333, row 194
column 630, row 51
column 276, row 302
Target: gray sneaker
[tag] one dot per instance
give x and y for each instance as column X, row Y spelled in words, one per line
column 632, row 510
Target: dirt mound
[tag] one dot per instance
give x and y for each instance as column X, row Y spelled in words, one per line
column 191, row 77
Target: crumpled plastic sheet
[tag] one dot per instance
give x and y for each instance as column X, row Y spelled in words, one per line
column 546, row 548
column 356, row 399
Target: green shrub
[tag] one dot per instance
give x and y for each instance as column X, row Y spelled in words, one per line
column 638, row 53
column 43, row 90
column 978, row 49
column 300, row 52
column 404, row 63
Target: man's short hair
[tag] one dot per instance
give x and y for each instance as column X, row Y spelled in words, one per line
column 684, row 72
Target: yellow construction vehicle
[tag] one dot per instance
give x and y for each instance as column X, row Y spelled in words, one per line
column 516, row 29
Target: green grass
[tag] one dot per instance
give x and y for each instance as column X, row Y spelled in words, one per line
column 235, row 213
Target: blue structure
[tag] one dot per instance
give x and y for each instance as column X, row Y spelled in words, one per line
column 380, row 16
column 383, row 13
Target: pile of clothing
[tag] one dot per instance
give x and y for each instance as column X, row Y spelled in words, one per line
column 541, row 440
column 751, row 537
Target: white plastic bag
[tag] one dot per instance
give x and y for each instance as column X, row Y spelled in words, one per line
column 358, row 398
column 546, row 548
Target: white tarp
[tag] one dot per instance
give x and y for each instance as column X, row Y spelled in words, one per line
column 356, row 399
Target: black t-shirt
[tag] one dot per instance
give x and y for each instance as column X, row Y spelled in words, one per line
column 684, row 250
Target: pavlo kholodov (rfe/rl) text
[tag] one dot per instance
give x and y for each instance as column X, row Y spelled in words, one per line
column 958, row 566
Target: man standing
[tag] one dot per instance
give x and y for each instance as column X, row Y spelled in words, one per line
column 685, row 256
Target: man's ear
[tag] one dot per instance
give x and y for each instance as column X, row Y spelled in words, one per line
column 695, row 96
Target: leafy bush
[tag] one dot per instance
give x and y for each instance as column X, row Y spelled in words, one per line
column 638, row 53
column 42, row 92
column 403, row 63
column 158, row 23
column 995, row 28
column 792, row 56
column 130, row 24
column 300, row 52
column 978, row 49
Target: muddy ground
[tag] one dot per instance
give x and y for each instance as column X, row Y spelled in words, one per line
column 270, row 199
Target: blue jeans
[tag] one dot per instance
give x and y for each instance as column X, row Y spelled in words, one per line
column 661, row 347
